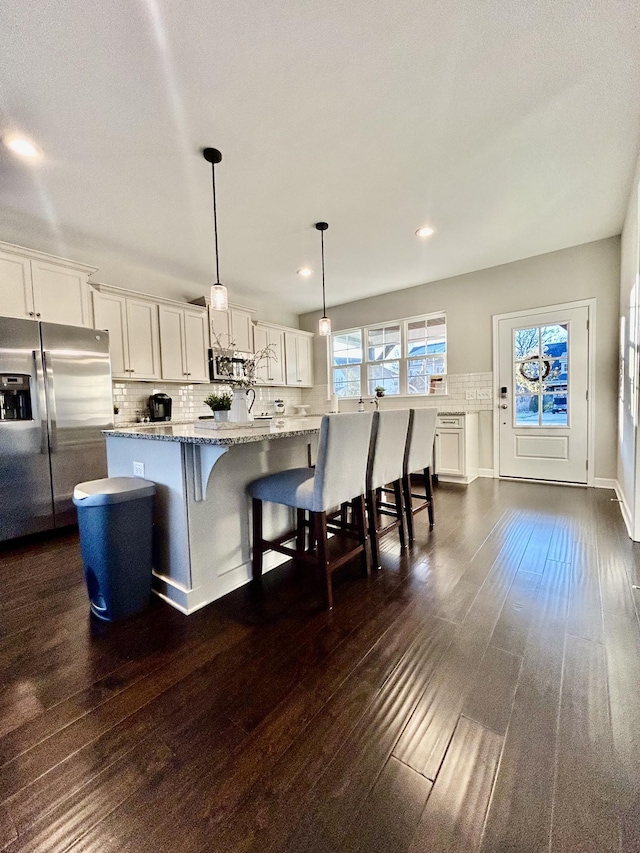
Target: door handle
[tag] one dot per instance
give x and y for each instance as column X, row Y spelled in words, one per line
column 42, row 400
column 50, row 394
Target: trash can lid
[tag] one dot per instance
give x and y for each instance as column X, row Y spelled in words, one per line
column 112, row 490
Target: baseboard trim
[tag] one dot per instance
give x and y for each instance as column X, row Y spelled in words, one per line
column 605, row 483
column 486, row 472
column 624, row 509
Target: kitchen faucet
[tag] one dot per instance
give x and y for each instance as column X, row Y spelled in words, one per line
column 374, row 402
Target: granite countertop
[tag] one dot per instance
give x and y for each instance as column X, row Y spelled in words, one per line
column 225, row 435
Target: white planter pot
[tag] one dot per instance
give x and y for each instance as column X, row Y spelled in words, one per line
column 222, row 415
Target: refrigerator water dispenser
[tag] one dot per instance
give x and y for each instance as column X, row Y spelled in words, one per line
column 15, row 397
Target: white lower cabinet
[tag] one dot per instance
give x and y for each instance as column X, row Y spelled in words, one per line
column 456, row 448
column 183, row 344
column 36, row 286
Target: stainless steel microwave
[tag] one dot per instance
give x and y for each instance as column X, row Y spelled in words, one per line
column 228, row 365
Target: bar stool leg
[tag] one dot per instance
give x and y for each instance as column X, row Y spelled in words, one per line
column 363, row 537
column 256, row 561
column 300, row 529
column 408, row 509
column 400, row 515
column 372, row 517
column 429, row 493
column 319, row 526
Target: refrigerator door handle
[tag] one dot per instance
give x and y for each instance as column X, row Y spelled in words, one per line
column 42, row 401
column 47, row 370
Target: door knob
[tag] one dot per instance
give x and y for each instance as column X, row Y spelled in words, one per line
column 504, row 406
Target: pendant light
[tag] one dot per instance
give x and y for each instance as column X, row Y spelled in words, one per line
column 324, row 326
column 219, row 297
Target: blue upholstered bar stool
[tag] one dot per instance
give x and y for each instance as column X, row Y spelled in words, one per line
column 386, row 469
column 338, row 477
column 422, row 433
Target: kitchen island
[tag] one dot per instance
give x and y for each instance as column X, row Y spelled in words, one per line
column 202, row 523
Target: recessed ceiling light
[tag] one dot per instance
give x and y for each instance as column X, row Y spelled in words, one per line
column 305, row 272
column 23, row 147
column 424, row 232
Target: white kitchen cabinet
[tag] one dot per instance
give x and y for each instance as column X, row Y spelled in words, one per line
column 270, row 371
column 456, row 447
column 36, row 286
column 234, row 326
column 241, row 328
column 183, row 344
column 298, row 358
column 133, row 329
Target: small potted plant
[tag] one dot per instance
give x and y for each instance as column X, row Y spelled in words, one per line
column 379, row 389
column 220, row 403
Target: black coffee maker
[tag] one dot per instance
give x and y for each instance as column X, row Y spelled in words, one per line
column 160, row 407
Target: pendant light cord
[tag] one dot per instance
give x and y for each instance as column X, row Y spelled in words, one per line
column 215, row 221
column 324, row 305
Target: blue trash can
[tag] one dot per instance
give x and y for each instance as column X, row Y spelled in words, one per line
column 115, row 517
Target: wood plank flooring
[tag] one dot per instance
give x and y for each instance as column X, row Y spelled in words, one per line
column 479, row 693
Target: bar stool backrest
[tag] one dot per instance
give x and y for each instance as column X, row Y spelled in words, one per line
column 341, row 466
column 389, row 445
column 422, row 432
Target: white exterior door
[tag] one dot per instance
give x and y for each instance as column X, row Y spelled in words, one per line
column 543, row 395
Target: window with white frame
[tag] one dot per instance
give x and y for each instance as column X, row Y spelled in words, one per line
column 400, row 356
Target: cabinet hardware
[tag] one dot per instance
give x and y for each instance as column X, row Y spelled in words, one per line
column 31, row 313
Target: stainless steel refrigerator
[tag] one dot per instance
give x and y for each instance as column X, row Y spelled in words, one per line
column 55, row 398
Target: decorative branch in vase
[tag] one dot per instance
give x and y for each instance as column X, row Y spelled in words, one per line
column 251, row 364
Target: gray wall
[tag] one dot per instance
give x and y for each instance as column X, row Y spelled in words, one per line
column 591, row 270
column 628, row 403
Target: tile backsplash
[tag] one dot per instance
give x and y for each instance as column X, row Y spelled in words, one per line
column 454, row 400
column 132, row 399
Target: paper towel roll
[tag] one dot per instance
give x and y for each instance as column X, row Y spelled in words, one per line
column 334, row 403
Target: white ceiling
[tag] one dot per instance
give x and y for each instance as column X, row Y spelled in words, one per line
column 511, row 126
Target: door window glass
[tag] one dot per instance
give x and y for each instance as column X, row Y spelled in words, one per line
column 541, row 375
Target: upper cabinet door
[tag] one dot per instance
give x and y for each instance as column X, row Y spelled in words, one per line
column 277, row 362
column 144, row 346
column 305, row 361
column 261, row 340
column 241, row 329
column 298, row 352
column 16, row 293
column 172, row 357
column 61, row 295
column 291, row 357
column 196, row 345
column 109, row 312
column 220, row 329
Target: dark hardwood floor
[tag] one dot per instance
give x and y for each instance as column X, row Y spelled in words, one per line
column 481, row 692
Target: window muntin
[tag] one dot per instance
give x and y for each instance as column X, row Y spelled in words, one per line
column 399, row 356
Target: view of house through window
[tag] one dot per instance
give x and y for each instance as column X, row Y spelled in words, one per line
column 541, row 375
column 398, row 356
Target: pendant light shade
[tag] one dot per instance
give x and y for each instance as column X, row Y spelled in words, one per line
column 324, row 327
column 324, row 324
column 219, row 296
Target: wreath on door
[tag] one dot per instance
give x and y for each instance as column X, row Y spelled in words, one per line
column 528, row 377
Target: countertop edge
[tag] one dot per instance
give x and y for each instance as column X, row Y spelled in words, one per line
column 220, row 441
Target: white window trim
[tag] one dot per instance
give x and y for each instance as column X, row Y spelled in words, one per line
column 404, row 359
